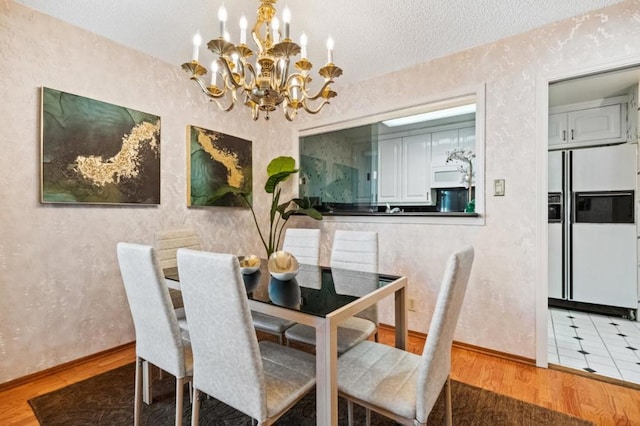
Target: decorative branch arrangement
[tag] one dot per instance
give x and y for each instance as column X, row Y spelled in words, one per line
column 466, row 156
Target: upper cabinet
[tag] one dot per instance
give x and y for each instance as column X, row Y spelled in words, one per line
column 590, row 123
column 448, row 175
column 404, row 170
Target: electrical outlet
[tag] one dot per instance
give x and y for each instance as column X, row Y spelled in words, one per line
column 412, row 305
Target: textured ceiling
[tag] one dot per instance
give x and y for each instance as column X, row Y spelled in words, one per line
column 372, row 37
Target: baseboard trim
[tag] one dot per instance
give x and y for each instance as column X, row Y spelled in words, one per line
column 469, row 347
column 65, row 366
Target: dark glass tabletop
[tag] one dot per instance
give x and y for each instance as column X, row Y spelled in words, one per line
column 316, row 290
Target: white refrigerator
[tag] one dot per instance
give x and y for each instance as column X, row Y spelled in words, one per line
column 592, row 230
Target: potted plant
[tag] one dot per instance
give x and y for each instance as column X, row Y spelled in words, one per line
column 278, row 170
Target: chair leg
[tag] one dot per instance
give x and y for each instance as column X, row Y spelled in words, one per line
column 179, row 399
column 448, row 409
column 137, row 405
column 368, row 417
column 146, row 380
column 195, row 408
column 350, row 412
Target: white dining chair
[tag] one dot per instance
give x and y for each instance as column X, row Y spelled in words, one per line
column 167, row 242
column 158, row 336
column 355, row 251
column 401, row 385
column 304, row 245
column 262, row 380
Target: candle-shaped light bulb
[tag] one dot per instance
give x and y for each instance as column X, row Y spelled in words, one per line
column 243, row 30
column 222, row 17
column 214, row 73
column 303, row 45
column 329, row 50
column 286, row 18
column 197, row 40
column 275, row 26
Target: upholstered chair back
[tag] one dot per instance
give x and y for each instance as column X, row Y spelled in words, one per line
column 435, row 363
column 304, row 244
column 158, row 336
column 168, row 241
column 355, row 250
column 227, row 361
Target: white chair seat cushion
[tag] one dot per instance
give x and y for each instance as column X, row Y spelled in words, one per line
column 270, row 323
column 289, row 374
column 350, row 332
column 381, row 375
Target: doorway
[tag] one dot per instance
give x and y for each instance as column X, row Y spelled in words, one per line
column 591, row 337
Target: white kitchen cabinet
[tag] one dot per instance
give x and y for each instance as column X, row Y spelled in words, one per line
column 441, row 144
column 389, row 167
column 403, row 165
column 448, row 175
column 582, row 124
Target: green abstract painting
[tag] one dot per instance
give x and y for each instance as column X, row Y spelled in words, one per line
column 215, row 160
column 97, row 152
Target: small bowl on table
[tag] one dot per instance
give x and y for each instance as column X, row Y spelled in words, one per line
column 283, row 266
column 249, row 264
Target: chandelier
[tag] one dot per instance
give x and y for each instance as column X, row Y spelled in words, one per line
column 268, row 82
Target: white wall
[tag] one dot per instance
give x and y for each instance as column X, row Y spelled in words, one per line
column 61, row 296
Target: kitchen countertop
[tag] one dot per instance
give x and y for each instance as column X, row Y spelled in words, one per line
column 406, row 214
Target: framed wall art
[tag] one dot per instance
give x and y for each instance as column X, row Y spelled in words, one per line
column 216, row 160
column 97, row 152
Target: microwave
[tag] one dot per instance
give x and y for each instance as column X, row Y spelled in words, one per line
column 446, row 177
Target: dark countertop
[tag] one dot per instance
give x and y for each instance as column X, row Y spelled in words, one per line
column 405, row 214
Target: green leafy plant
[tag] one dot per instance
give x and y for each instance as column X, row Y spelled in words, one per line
column 278, row 171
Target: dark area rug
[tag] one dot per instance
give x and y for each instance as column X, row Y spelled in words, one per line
column 107, row 399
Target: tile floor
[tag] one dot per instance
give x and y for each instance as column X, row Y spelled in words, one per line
column 599, row 344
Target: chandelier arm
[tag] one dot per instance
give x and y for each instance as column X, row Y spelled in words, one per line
column 314, row 111
column 248, row 83
column 284, row 77
column 222, row 108
column 206, row 90
column 317, row 95
column 289, row 116
column 229, row 75
column 289, row 112
column 213, row 97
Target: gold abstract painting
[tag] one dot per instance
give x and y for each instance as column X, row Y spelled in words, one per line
column 216, row 160
column 97, row 152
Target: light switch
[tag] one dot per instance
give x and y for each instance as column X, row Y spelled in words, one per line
column 498, row 187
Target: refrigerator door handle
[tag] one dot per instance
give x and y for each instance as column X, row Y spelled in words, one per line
column 569, row 220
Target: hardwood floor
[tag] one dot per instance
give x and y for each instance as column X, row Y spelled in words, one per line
column 600, row 402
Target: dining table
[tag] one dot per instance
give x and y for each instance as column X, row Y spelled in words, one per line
column 322, row 297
